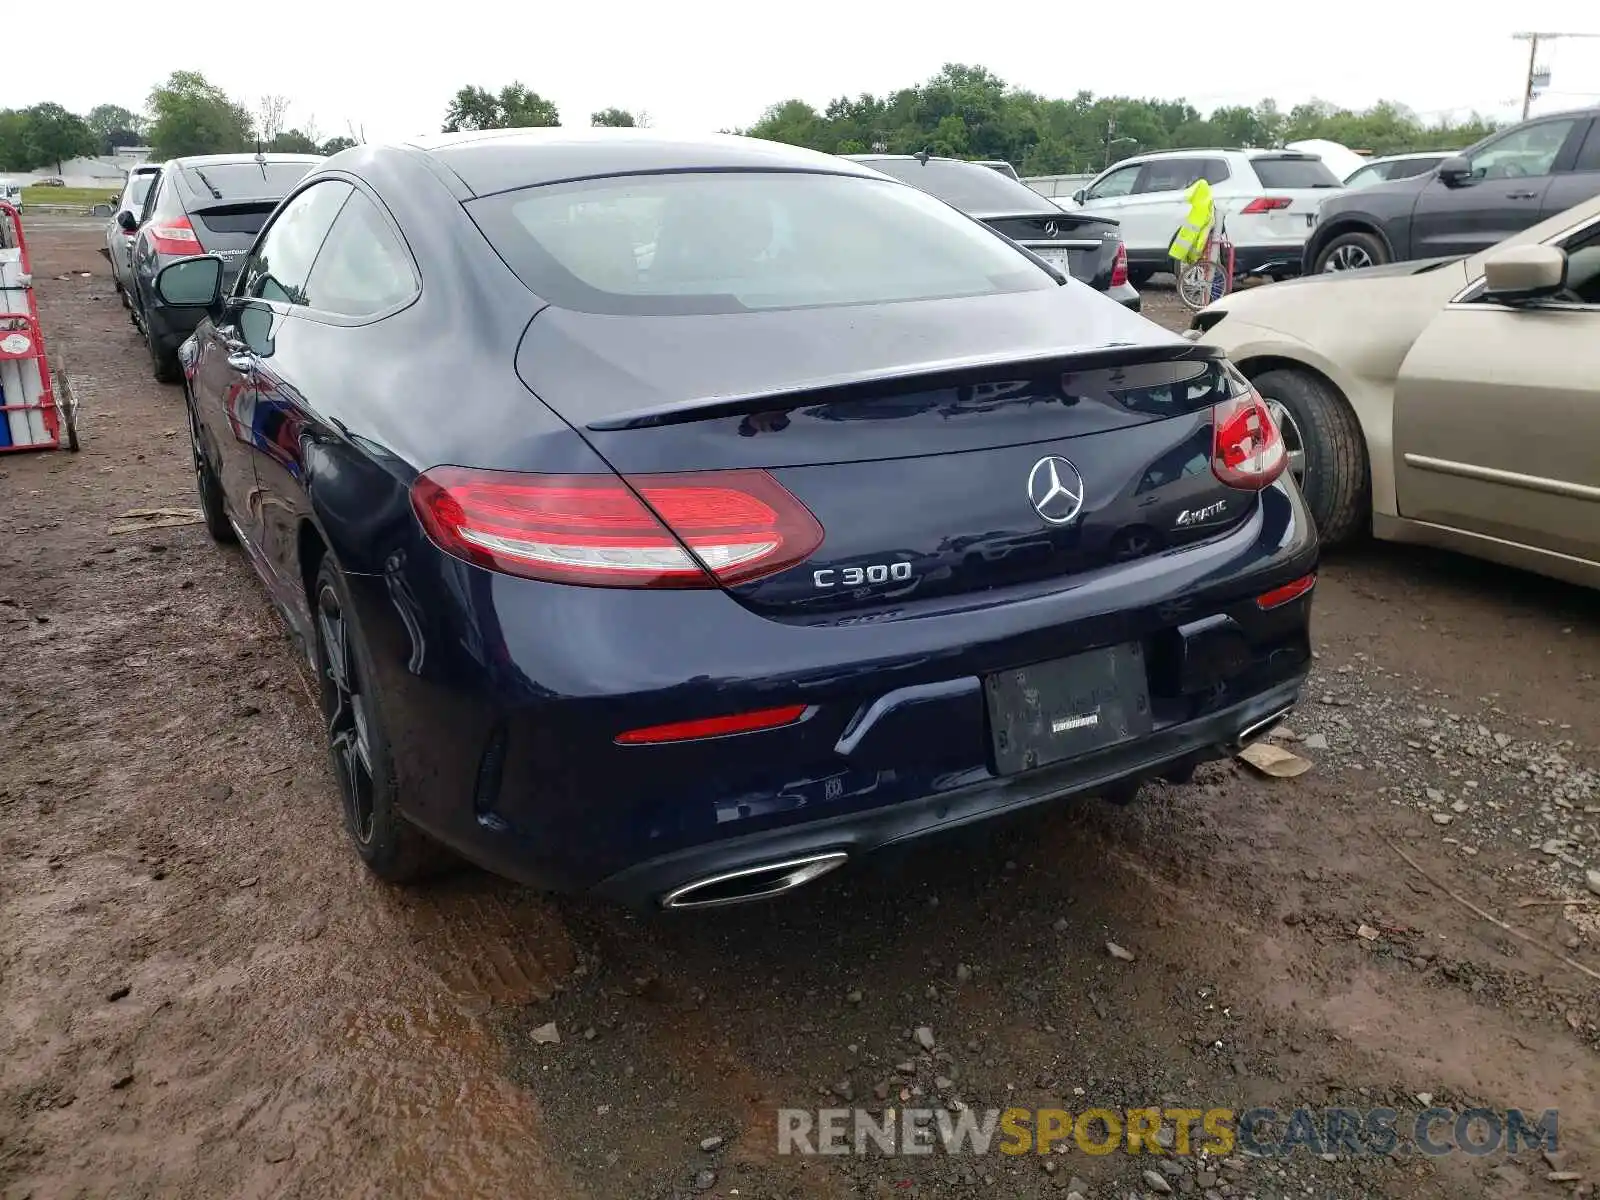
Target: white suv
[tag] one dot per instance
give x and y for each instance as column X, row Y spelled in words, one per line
column 1268, row 200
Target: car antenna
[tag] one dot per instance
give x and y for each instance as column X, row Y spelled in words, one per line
column 261, row 159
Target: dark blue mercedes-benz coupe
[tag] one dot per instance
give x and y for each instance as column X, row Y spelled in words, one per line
column 677, row 519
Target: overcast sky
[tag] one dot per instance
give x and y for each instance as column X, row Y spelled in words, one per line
column 710, row 64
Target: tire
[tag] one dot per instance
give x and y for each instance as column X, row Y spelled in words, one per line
column 1348, row 248
column 207, row 486
column 1140, row 276
column 1197, row 283
column 1335, row 479
column 392, row 848
column 164, row 364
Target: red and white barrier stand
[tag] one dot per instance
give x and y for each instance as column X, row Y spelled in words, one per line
column 34, row 413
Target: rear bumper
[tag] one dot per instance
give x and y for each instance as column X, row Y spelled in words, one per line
column 1277, row 260
column 854, row 835
column 1126, row 295
column 503, row 698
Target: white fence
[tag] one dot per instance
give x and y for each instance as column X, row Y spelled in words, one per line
column 1056, row 185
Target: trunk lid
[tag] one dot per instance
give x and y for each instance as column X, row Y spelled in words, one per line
column 958, row 455
column 1077, row 244
column 229, row 230
column 1292, row 190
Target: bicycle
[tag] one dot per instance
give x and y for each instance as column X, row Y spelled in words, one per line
column 1210, row 277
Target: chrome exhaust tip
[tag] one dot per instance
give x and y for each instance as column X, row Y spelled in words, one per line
column 1259, row 729
column 753, row 883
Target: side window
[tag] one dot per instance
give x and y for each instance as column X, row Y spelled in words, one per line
column 363, row 268
column 1365, row 176
column 153, row 198
column 1215, row 170
column 1589, row 155
column 1119, row 183
column 283, row 254
column 1169, row 174
column 1528, row 150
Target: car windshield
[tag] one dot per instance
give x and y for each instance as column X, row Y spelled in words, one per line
column 737, row 241
column 1294, row 173
column 971, row 187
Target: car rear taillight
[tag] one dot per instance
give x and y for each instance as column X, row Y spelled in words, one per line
column 1266, row 204
column 1247, row 450
column 643, row 531
column 175, row 236
column 709, row 727
column 1119, row 267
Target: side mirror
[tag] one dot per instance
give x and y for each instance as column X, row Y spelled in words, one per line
column 1079, row 196
column 126, row 221
column 1455, row 171
column 191, row 282
column 1516, row 274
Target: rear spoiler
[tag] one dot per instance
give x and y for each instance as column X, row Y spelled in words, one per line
column 950, row 372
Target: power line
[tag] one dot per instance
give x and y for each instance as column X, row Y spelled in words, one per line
column 1533, row 40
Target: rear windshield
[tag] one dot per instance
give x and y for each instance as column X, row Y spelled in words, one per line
column 734, row 241
column 1294, row 173
column 243, row 180
column 971, row 187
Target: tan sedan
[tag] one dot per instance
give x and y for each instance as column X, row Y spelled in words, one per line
column 1451, row 402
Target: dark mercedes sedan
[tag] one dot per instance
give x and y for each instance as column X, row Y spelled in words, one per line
column 679, row 520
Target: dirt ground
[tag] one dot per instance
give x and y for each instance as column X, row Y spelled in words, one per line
column 203, row 995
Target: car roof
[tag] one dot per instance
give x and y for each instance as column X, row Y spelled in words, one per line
column 206, row 160
column 1249, row 151
column 498, row 160
column 1384, row 158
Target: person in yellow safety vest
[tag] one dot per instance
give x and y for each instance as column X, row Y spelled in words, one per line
column 1189, row 243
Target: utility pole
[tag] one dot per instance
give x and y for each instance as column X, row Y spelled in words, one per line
column 1533, row 40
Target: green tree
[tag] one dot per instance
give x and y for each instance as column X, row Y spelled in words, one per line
column 52, row 135
column 513, row 107
column 14, row 152
column 335, row 144
column 114, row 126
column 293, row 141
column 968, row 111
column 615, row 118
column 189, row 115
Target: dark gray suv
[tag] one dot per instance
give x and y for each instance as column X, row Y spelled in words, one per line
column 1502, row 185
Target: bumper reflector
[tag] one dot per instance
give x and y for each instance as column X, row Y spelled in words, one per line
column 1280, row 596
column 710, row 727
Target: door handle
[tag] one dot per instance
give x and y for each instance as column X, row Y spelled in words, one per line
column 1522, row 195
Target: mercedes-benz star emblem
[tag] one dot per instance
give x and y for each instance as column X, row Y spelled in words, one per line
column 1050, row 229
column 1056, row 489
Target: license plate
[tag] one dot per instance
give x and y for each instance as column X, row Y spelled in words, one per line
column 1061, row 259
column 1052, row 711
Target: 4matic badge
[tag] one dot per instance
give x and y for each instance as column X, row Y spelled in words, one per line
column 1195, row 516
